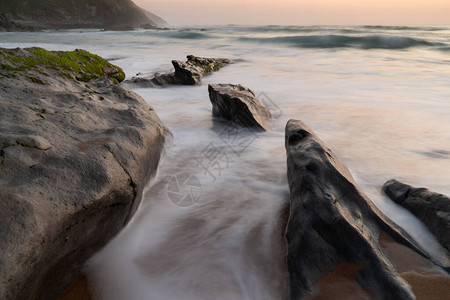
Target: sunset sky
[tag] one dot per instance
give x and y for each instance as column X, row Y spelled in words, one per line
column 300, row 12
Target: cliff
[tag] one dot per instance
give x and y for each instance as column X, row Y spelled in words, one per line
column 27, row 15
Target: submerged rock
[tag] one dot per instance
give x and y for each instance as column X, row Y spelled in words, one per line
column 76, row 150
column 431, row 208
column 334, row 229
column 237, row 103
column 186, row 73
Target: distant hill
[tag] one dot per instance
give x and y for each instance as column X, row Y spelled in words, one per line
column 18, row 15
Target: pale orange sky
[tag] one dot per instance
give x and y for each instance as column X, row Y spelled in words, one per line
column 300, row 12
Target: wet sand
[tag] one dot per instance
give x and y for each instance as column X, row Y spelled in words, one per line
column 78, row 290
column 340, row 284
column 428, row 283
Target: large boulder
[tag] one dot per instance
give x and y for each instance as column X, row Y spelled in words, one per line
column 186, row 73
column 431, row 208
column 25, row 15
column 238, row 104
column 76, row 150
column 333, row 229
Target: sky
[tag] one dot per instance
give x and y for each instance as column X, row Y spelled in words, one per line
column 300, row 12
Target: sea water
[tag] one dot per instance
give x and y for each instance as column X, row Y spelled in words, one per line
column 211, row 223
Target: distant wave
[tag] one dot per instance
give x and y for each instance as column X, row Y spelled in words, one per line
column 404, row 28
column 343, row 41
column 445, row 49
column 299, row 29
column 276, row 28
column 181, row 34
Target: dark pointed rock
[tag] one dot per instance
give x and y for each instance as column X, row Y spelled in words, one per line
column 186, row 73
column 431, row 208
column 333, row 226
column 236, row 103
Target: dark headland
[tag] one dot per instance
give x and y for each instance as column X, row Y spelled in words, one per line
column 29, row 15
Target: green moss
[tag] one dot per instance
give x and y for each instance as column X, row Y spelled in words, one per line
column 43, row 73
column 66, row 75
column 35, row 80
column 6, row 67
column 8, row 75
column 207, row 68
column 83, row 65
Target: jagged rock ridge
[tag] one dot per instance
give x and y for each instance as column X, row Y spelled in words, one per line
column 433, row 209
column 186, row 73
column 334, row 226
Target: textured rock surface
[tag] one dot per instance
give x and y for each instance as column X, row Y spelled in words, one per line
column 6, row 24
column 74, row 158
column 333, row 227
column 431, row 208
column 186, row 73
column 25, row 15
column 237, row 103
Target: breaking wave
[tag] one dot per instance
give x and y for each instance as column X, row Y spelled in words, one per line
column 299, row 29
column 343, row 41
column 378, row 27
column 180, row 34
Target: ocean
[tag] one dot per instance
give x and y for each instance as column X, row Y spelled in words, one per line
column 211, row 223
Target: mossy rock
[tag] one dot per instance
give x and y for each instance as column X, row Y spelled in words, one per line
column 208, row 65
column 79, row 64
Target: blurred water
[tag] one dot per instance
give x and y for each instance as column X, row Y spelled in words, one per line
column 378, row 96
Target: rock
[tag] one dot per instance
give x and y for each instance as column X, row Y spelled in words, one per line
column 207, row 65
column 186, row 73
column 147, row 26
column 333, row 226
column 6, row 24
column 27, row 15
column 76, row 150
column 431, row 208
column 238, row 104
